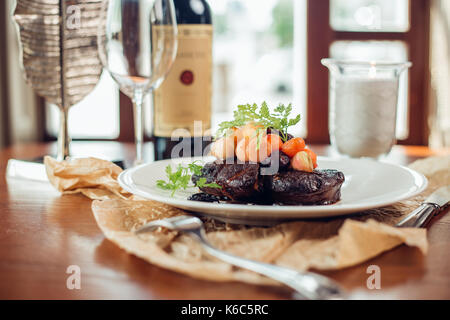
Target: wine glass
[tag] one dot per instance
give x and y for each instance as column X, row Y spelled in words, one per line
column 137, row 43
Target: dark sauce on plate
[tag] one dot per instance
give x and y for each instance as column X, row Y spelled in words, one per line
column 204, row 197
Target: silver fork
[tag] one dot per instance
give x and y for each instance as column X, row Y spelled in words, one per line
column 306, row 284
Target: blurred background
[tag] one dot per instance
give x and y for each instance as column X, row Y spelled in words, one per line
column 268, row 50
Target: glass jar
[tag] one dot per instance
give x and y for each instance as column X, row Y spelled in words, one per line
column 363, row 98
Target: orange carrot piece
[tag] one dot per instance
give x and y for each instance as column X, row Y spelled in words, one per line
column 291, row 147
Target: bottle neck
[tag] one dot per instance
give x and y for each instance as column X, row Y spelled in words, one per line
column 192, row 12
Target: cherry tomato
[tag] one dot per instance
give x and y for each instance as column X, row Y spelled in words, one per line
column 302, row 162
column 291, row 147
column 312, row 155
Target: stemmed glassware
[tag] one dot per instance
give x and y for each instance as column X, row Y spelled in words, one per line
column 137, row 43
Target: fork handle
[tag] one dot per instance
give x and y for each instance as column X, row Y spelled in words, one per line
column 419, row 217
column 308, row 285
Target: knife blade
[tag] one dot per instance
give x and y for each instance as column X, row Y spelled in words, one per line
column 431, row 206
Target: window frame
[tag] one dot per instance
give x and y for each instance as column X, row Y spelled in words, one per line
column 5, row 138
column 417, row 41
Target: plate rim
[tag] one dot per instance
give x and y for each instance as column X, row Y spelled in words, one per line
column 291, row 211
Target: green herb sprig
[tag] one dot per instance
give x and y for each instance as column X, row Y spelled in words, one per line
column 262, row 116
column 180, row 178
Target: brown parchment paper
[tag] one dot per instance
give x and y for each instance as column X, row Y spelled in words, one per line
column 311, row 244
column 95, row 178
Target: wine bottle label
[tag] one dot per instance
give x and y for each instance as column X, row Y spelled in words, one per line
column 184, row 97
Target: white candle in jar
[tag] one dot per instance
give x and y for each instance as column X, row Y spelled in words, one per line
column 363, row 115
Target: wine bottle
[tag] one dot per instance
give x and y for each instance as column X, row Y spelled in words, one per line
column 182, row 104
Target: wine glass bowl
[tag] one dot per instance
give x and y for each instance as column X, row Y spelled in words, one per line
column 137, row 43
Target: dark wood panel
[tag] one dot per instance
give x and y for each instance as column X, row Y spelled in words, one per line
column 126, row 119
column 363, row 36
column 418, row 40
column 319, row 37
column 4, row 83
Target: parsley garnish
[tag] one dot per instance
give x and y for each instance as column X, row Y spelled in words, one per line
column 262, row 116
column 201, row 183
column 180, row 178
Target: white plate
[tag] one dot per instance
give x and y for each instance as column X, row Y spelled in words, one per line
column 368, row 184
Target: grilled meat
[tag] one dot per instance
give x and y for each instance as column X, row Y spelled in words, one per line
column 239, row 181
column 277, row 162
column 251, row 183
column 294, row 187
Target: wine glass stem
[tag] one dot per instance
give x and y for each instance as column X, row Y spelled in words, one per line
column 63, row 136
column 138, row 125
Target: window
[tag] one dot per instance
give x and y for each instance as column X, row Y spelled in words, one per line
column 369, row 15
column 96, row 116
column 374, row 30
column 271, row 50
column 255, row 42
column 259, row 54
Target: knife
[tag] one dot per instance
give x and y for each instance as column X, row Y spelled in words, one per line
column 431, row 206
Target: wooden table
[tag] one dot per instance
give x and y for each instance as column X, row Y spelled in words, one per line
column 42, row 233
